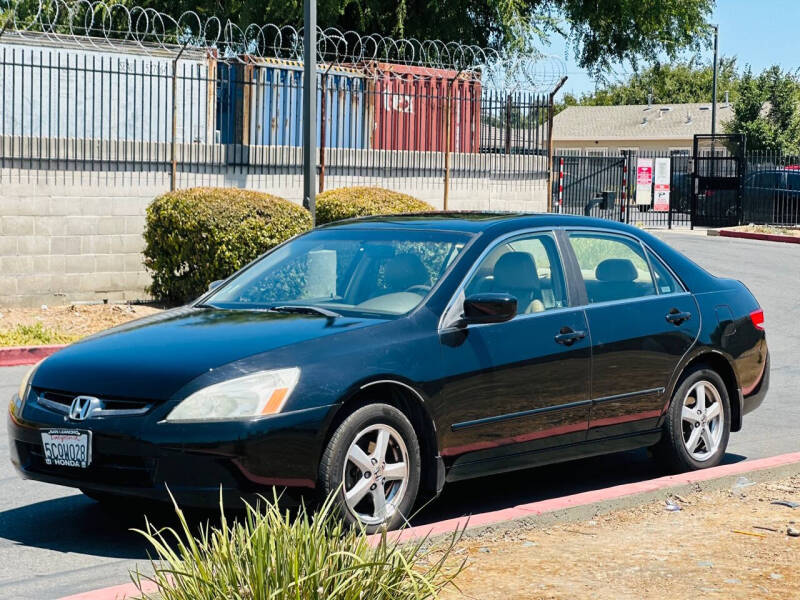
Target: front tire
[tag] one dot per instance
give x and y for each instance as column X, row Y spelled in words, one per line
column 698, row 422
column 372, row 463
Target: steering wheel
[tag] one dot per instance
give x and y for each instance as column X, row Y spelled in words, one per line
column 416, row 289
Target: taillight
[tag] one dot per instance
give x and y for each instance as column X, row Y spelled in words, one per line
column 757, row 317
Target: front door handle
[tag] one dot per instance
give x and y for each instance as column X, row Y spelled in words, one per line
column 569, row 336
column 676, row 317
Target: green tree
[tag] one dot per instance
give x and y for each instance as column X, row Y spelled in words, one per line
column 601, row 32
column 767, row 111
column 677, row 83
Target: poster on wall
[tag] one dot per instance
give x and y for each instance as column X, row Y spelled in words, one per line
column 662, row 178
column 644, row 181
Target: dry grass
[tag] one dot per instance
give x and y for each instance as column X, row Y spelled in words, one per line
column 63, row 324
column 770, row 229
column 722, row 544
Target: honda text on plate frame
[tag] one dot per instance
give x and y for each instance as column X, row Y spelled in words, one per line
column 377, row 359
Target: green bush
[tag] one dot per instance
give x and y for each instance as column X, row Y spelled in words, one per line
column 269, row 554
column 199, row 235
column 345, row 203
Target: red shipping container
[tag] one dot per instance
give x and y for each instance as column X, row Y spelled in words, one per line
column 410, row 103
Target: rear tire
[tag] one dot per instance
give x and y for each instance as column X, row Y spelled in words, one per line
column 698, row 422
column 372, row 463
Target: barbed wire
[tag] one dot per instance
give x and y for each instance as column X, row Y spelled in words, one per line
column 101, row 24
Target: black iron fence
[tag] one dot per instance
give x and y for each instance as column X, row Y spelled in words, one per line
column 710, row 187
column 64, row 108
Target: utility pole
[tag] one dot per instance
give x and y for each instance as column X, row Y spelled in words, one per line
column 714, row 84
column 310, row 106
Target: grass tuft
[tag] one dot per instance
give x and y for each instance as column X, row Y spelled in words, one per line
column 269, row 554
column 34, row 335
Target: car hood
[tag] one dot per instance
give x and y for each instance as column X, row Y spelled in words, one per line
column 153, row 357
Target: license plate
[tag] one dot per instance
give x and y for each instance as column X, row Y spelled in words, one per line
column 67, row 447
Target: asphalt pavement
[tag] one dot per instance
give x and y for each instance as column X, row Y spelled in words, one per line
column 55, row 542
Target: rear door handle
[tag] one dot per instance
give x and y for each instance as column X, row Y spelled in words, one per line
column 677, row 317
column 569, row 336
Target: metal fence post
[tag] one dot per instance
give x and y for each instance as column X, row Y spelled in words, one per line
column 322, row 118
column 624, row 196
column 174, row 172
column 309, row 105
column 448, row 107
column 671, row 191
column 550, row 120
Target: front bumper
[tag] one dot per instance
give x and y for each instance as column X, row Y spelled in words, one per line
column 137, row 456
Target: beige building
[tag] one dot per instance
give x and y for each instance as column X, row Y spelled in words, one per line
column 657, row 128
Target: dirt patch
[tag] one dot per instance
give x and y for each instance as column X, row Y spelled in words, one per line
column 720, row 544
column 63, row 324
column 768, row 229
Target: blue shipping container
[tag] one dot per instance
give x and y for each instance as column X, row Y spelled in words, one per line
column 262, row 104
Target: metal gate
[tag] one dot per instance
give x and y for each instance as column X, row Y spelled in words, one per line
column 717, row 169
column 605, row 187
column 589, row 185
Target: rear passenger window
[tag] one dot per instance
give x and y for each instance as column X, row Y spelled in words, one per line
column 665, row 282
column 613, row 267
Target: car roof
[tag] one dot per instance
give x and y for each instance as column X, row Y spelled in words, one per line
column 473, row 222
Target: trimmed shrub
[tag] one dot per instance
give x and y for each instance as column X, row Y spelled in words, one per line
column 199, row 235
column 269, row 554
column 345, row 203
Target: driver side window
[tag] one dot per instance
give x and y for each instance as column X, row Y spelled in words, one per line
column 528, row 268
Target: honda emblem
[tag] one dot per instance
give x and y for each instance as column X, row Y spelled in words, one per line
column 82, row 407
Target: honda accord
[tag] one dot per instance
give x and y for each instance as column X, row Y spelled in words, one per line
column 379, row 358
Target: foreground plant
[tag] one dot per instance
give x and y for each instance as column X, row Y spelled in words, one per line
column 270, row 554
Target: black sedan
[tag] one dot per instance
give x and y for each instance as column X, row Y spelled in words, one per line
column 380, row 358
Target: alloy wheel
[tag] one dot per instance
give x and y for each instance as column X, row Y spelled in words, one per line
column 702, row 420
column 375, row 474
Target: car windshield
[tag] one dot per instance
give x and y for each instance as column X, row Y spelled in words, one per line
column 344, row 271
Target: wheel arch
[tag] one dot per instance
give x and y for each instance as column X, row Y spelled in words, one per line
column 412, row 403
column 724, row 368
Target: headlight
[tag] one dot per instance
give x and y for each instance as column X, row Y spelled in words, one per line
column 24, row 388
column 257, row 395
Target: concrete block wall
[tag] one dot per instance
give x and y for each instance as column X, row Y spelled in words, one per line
column 70, row 235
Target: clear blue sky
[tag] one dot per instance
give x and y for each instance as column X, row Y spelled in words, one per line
column 758, row 32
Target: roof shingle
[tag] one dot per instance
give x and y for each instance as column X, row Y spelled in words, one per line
column 638, row 121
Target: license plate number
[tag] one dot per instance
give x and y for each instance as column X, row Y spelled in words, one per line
column 67, row 448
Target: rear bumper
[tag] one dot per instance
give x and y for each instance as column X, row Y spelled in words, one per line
column 195, row 466
column 754, row 398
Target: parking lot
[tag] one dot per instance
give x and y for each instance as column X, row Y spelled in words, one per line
column 55, row 542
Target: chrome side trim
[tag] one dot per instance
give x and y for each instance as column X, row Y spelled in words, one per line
column 517, row 415
column 625, row 396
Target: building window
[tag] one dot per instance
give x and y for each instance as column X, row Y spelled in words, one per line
column 633, row 151
column 679, row 151
column 568, row 151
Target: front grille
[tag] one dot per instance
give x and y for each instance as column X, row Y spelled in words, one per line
column 111, row 469
column 61, row 402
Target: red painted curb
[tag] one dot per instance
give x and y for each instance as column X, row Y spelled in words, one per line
column 26, row 355
column 117, row 592
column 605, row 494
column 769, row 237
column 120, row 592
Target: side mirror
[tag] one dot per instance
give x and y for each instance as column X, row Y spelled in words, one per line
column 489, row 308
column 215, row 284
